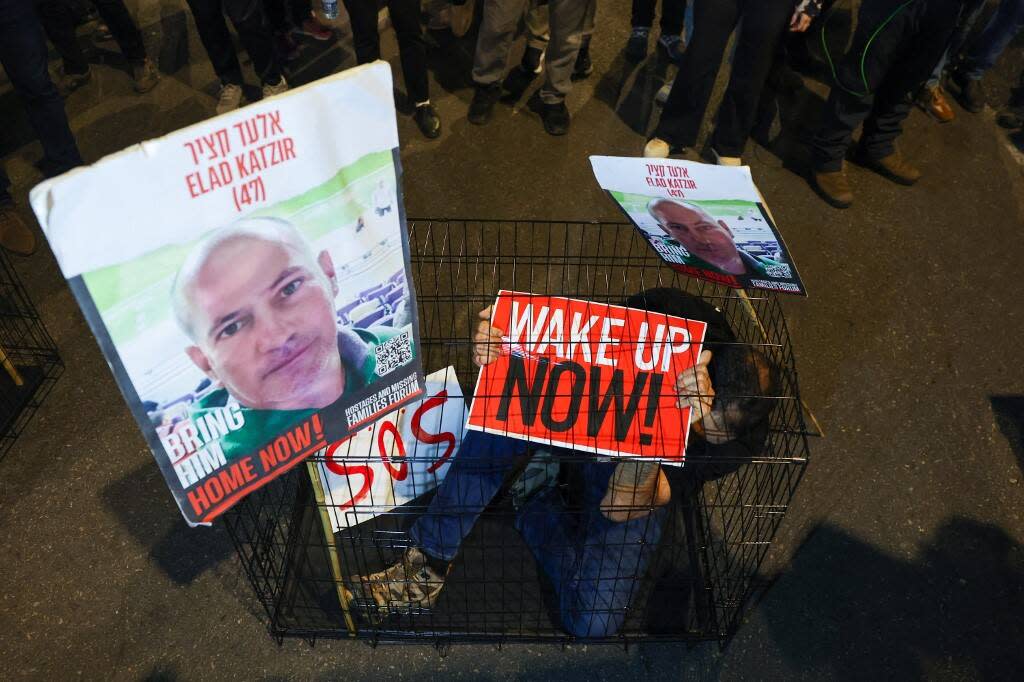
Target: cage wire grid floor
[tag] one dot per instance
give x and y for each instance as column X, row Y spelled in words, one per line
column 715, row 533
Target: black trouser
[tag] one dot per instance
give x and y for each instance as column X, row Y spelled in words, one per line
column 283, row 14
column 250, row 22
column 713, row 21
column 23, row 55
column 672, row 15
column 412, row 51
column 60, row 22
column 873, row 87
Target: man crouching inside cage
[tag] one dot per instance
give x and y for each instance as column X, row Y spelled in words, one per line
column 596, row 551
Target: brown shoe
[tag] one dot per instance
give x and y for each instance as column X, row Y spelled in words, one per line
column 834, row 187
column 893, row 167
column 15, row 235
column 934, row 102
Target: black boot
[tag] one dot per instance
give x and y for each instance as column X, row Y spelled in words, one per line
column 555, row 116
column 482, row 106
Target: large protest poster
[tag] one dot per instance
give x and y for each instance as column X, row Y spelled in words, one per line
column 399, row 457
column 247, row 281
column 704, row 220
column 588, row 376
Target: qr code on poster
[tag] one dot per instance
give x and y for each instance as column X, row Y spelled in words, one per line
column 778, row 270
column 393, row 353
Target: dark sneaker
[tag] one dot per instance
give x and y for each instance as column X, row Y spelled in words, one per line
column 972, row 93
column 69, row 82
column 533, row 60
column 409, row 584
column 1012, row 118
column 555, row 116
column 893, row 166
column 584, row 66
column 15, row 235
column 834, row 187
column 933, row 101
column 636, row 46
column 482, row 106
column 427, row 120
column 145, row 75
column 517, row 81
column 672, row 46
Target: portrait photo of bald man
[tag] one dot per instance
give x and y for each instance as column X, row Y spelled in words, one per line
column 258, row 306
column 709, row 243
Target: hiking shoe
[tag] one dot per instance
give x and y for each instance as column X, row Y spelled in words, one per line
column 555, row 116
column 972, row 93
column 634, row 489
column 636, row 46
column 482, row 106
column 69, row 82
column 584, row 66
column 834, row 187
column 1012, row 118
column 312, row 27
column 229, row 98
column 428, row 121
column 672, row 46
column 145, row 75
column 410, row 583
column 15, row 235
column 893, row 166
column 275, row 89
column 933, row 101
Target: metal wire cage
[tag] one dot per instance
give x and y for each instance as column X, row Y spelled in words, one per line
column 29, row 363
column 529, row 542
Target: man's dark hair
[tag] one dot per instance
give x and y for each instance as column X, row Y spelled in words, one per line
column 744, row 378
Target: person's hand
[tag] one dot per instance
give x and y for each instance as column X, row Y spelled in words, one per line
column 486, row 340
column 799, row 22
column 694, row 388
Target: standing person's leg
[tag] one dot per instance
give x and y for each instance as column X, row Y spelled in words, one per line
column 59, row 23
column 214, row 35
column 365, row 36
column 566, row 19
column 985, row 50
column 305, row 22
column 129, row 39
column 671, row 41
column 764, row 22
column 931, row 97
column 405, row 18
column 679, row 125
column 253, row 29
column 497, row 31
column 642, row 20
column 538, row 35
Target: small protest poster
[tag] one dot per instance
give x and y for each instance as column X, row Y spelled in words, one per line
column 247, row 280
column 399, row 457
column 587, row 376
column 703, row 220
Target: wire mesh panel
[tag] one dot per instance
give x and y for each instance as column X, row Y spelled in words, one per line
column 29, row 363
column 422, row 528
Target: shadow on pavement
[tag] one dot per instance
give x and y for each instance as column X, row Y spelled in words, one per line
column 850, row 611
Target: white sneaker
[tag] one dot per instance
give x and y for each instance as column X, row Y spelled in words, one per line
column 656, row 148
column 229, row 99
column 663, row 92
column 271, row 90
column 727, row 160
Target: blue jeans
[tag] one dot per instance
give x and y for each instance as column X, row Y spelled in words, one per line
column 997, row 34
column 24, row 55
column 594, row 565
column 968, row 17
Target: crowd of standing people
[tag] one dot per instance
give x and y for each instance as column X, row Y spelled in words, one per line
column 901, row 52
